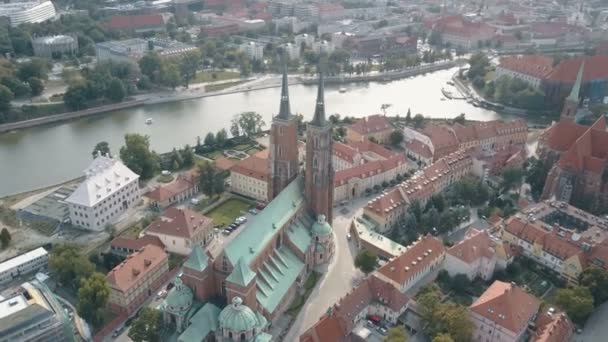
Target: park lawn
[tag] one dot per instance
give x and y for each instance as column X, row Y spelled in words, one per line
column 213, row 155
column 165, row 178
column 228, row 211
column 253, row 151
column 242, row 147
column 207, row 76
column 217, row 87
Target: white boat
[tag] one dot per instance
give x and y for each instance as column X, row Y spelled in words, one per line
column 342, row 90
column 149, row 121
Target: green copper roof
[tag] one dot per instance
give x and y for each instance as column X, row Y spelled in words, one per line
column 202, row 323
column 179, row 299
column 197, row 260
column 321, row 227
column 276, row 276
column 237, row 317
column 241, row 274
column 576, row 88
column 264, row 226
column 263, row 337
column 298, row 234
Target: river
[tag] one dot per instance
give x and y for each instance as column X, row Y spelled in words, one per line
column 39, row 156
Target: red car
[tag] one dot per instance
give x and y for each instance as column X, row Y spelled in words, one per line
column 260, row 206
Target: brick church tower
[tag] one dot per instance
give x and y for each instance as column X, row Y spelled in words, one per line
column 573, row 100
column 283, row 157
column 319, row 171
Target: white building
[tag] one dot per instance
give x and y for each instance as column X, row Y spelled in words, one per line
column 50, row 46
column 28, row 12
column 323, row 46
column 110, row 188
column 131, row 50
column 249, row 177
column 306, row 11
column 305, row 39
column 25, row 263
column 293, row 51
column 253, row 50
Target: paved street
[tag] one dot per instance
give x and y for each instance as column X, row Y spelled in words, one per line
column 341, row 275
column 595, row 329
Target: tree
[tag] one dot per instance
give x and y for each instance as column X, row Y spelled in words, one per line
column 577, row 302
column 366, row 261
column 102, row 147
column 36, row 67
column 210, row 139
column 187, row 156
column 460, row 283
column 512, row 177
column 251, row 123
column 36, row 85
column 75, row 97
column 150, row 65
column 418, row 121
column 443, row 338
column 207, row 179
column 5, row 237
column 220, row 137
column 137, row 156
column 396, row 334
column 461, row 119
column 147, row 327
column 116, row 91
column 396, row 137
column 479, row 62
column 6, row 96
column 408, row 116
column 596, row 279
column 68, row 266
column 235, row 130
column 170, row 75
column 93, row 295
column 435, row 38
column 188, row 66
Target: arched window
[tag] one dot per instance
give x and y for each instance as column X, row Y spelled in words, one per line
column 243, row 337
column 230, row 334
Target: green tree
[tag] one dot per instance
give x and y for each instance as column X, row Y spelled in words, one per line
column 36, row 85
column 444, row 337
column 102, row 147
column 68, row 266
column 366, row 261
column 36, row 67
column 6, row 96
column 75, row 97
column 171, row 75
column 408, row 116
column 177, row 160
column 220, row 137
column 235, row 130
column 512, row 177
column 187, row 156
column 396, row 334
column 93, row 296
column 137, row 156
column 147, row 327
column 577, row 302
column 150, row 65
column 116, row 91
column 418, row 121
column 18, row 88
column 188, row 66
column 251, row 123
column 596, row 279
column 479, row 62
column 207, row 179
column 5, row 237
column 396, row 137
column 210, row 139
column 435, row 38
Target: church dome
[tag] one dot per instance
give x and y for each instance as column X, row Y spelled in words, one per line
column 237, row 317
column 179, row 299
column 321, row 227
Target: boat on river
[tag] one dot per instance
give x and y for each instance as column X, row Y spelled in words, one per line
column 149, row 121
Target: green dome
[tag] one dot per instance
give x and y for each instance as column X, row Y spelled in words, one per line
column 321, row 227
column 179, row 299
column 237, row 317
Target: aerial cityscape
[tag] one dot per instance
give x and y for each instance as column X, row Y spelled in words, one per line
column 304, row 170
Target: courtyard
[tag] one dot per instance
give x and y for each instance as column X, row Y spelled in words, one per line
column 226, row 212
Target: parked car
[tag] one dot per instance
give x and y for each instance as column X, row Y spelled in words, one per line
column 370, row 324
column 382, row 330
column 241, row 219
column 253, row 211
column 260, row 206
column 226, row 232
column 161, row 294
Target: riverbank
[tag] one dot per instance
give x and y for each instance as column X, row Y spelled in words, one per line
column 247, row 86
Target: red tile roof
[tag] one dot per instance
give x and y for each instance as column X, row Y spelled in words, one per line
column 371, row 124
column 419, row 148
column 126, row 22
column 255, row 166
column 476, row 245
column 406, row 266
column 555, row 327
column 538, row 66
column 136, row 267
column 459, row 26
column 183, row 223
column 344, row 152
column 506, row 305
column 184, row 182
column 595, row 69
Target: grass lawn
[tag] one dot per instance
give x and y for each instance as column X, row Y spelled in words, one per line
column 253, row 151
column 213, row 76
column 226, row 212
column 213, row 155
column 242, row 147
column 221, row 86
column 299, row 301
column 133, row 230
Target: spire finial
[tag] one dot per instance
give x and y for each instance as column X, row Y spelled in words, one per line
column 576, row 88
column 319, row 118
column 284, row 110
